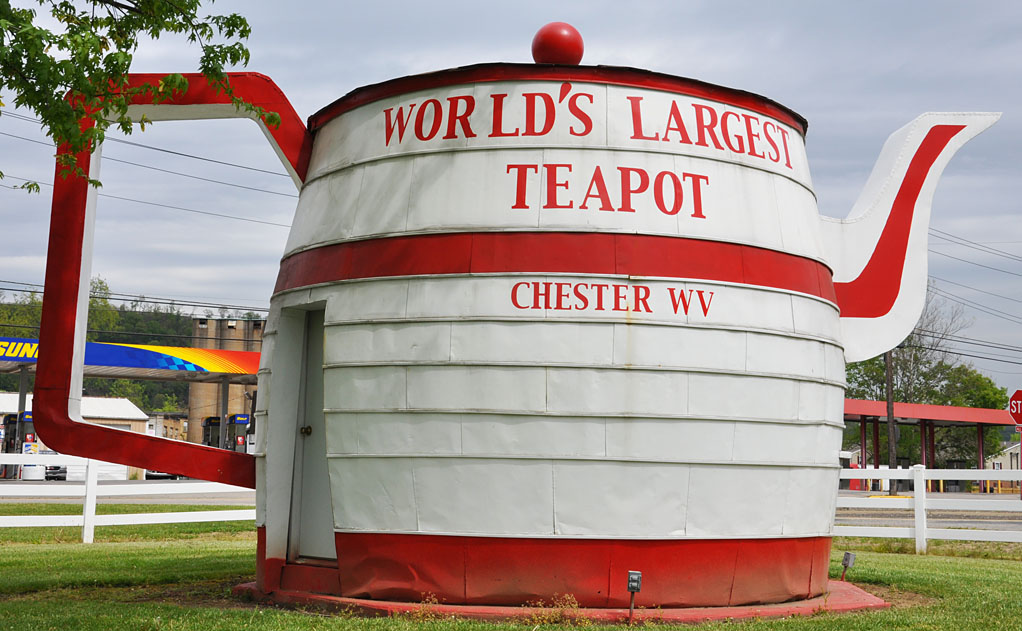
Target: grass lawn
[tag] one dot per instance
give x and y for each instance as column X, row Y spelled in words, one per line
column 182, row 582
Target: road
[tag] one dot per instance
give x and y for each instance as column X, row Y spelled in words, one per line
column 988, row 520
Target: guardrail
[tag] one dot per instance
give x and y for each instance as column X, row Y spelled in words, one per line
column 90, row 489
column 920, row 501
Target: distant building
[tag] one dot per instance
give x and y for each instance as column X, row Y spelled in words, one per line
column 204, row 399
column 110, row 412
column 172, row 425
column 1004, row 459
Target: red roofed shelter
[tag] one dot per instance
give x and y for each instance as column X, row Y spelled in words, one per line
column 927, row 417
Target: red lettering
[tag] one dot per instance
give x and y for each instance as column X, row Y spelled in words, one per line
column 552, row 184
column 685, row 301
column 637, row 120
column 401, row 123
column 577, row 112
column 752, row 136
column 599, row 295
column 680, row 299
column 562, row 293
column 498, row 117
column 787, row 156
column 706, row 127
column 514, row 295
column 641, row 296
column 658, row 193
column 727, row 134
column 420, row 119
column 697, row 192
column 538, row 293
column 530, row 113
column 521, row 181
column 601, row 192
column 454, row 117
column 626, row 187
column 581, row 297
column 620, row 297
column 775, row 155
column 705, row 303
column 675, row 123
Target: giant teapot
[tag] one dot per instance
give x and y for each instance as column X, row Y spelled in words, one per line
column 537, row 325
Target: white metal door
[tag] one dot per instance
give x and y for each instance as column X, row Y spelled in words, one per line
column 312, row 528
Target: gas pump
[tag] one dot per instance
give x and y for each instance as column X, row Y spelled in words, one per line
column 211, row 431
column 250, row 437
column 10, row 444
column 237, row 432
column 19, row 437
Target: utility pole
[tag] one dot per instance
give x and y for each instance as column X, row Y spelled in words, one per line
column 892, row 439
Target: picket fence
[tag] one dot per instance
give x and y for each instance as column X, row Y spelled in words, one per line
column 90, row 489
column 920, row 500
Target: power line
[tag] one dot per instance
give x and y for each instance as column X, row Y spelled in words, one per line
column 985, row 346
column 174, row 299
column 144, row 300
column 171, row 207
column 1002, row 372
column 996, row 269
column 968, row 340
column 204, row 179
column 974, row 245
column 984, row 357
column 968, row 303
column 161, row 170
column 120, row 296
column 956, row 351
column 194, row 157
column 945, row 293
column 162, row 150
column 989, row 293
column 150, row 335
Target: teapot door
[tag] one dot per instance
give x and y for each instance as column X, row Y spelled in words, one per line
column 311, row 532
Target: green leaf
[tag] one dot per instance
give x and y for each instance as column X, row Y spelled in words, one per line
column 89, row 53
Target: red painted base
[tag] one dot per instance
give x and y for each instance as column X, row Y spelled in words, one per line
column 840, row 597
column 514, row 571
column 495, row 571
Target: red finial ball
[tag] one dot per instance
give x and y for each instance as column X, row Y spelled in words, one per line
column 557, row 43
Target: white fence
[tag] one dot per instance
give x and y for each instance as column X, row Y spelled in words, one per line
column 90, row 490
column 920, row 502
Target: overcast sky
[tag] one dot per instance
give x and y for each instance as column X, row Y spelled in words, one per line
column 856, row 70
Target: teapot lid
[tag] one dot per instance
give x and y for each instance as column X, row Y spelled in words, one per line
column 555, row 48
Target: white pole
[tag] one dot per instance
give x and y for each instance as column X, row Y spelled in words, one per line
column 89, row 510
column 919, row 484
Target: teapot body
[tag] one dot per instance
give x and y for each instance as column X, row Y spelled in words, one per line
column 566, row 320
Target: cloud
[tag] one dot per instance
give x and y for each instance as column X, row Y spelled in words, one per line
column 856, row 71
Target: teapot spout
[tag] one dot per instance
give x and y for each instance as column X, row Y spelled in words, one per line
column 878, row 253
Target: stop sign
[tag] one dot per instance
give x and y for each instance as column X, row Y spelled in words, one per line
column 1015, row 407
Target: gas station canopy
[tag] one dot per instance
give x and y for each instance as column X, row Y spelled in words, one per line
column 141, row 361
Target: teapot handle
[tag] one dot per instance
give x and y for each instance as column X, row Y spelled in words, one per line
column 59, row 371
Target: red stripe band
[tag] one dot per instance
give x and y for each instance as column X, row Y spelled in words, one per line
column 556, row 253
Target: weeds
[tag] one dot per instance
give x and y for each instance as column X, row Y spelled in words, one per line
column 563, row 609
column 427, row 609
